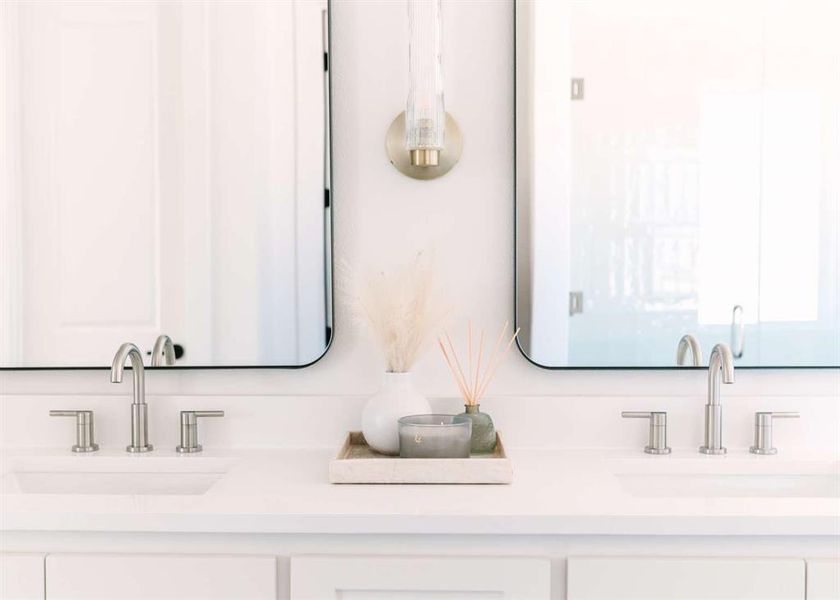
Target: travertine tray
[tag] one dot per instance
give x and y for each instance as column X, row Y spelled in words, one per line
column 357, row 463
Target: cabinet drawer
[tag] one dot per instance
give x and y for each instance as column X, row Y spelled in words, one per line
column 824, row 579
column 21, row 576
column 419, row 578
column 159, row 576
column 629, row 578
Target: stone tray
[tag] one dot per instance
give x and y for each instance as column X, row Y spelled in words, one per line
column 358, row 463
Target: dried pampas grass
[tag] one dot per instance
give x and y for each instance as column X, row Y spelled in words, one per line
column 402, row 308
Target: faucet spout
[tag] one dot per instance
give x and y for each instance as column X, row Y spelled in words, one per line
column 721, row 368
column 139, row 408
column 163, row 354
column 131, row 352
column 688, row 343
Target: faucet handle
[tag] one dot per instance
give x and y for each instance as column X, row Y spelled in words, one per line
column 189, row 429
column 658, row 431
column 763, row 443
column 84, row 429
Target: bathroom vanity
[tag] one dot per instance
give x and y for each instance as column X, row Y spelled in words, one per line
column 577, row 522
column 194, row 213
column 267, row 524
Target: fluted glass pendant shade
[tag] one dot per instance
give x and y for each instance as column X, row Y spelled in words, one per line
column 425, row 117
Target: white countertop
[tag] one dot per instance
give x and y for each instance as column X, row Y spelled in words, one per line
column 553, row 493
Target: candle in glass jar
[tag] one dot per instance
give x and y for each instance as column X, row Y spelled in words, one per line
column 435, row 436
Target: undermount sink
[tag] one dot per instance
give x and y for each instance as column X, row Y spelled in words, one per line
column 115, row 476
column 820, row 480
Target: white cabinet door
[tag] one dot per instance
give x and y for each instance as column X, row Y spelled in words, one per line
column 824, row 579
column 21, row 576
column 418, row 578
column 625, row 578
column 160, row 576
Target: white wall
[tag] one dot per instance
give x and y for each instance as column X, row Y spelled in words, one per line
column 382, row 217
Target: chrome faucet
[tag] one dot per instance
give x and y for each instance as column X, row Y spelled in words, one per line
column 721, row 367
column 689, row 342
column 163, row 354
column 139, row 408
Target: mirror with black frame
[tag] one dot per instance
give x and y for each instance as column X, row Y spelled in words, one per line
column 165, row 170
column 678, row 173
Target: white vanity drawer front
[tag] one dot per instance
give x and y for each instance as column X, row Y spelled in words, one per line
column 419, row 578
column 824, row 579
column 160, row 576
column 628, row 578
column 21, row 576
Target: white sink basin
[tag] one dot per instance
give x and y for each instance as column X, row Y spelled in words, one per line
column 740, row 479
column 131, row 475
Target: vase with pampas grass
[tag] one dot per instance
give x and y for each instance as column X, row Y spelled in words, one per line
column 401, row 310
column 473, row 383
column 397, row 397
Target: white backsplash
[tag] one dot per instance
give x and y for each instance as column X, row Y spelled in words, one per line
column 264, row 421
column 466, row 220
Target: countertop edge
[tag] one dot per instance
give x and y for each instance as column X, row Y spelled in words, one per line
column 698, row 525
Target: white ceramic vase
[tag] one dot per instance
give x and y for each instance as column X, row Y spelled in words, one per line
column 396, row 398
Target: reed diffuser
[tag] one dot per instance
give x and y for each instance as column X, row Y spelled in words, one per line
column 473, row 384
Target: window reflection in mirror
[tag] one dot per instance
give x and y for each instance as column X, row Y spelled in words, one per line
column 676, row 159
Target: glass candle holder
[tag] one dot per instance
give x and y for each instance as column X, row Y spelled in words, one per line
column 435, row 436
